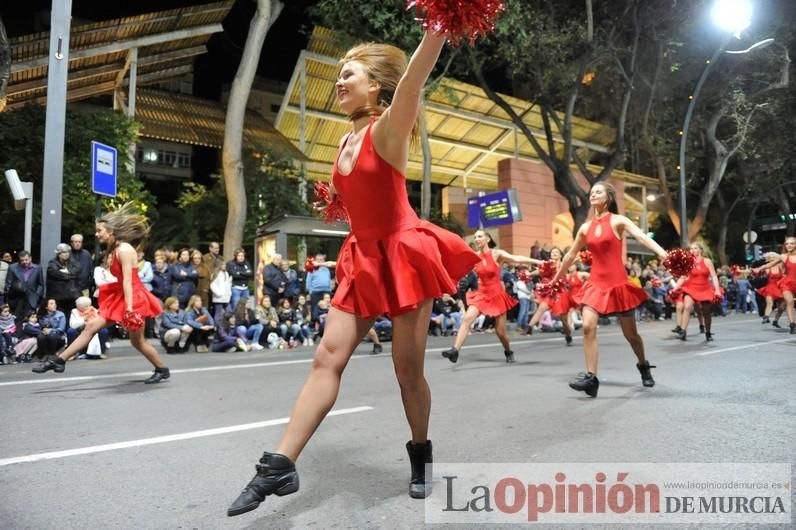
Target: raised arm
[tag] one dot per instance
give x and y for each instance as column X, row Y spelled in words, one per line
column 713, row 276
column 631, row 228
column 770, row 264
column 580, row 241
column 505, row 257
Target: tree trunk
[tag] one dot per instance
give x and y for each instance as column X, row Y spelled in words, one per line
column 267, row 12
column 726, row 211
column 5, row 65
column 425, row 190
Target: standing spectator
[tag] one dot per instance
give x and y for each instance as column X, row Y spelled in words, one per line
column 145, row 272
column 318, row 283
column 82, row 257
column 173, row 328
column 4, row 265
column 292, row 287
column 545, row 253
column 213, row 259
column 183, row 277
column 536, row 250
column 241, row 273
column 63, row 276
column 274, row 280
column 53, row 330
column 24, row 285
column 204, row 275
column 161, row 278
column 202, row 324
column 523, row 286
column 221, row 291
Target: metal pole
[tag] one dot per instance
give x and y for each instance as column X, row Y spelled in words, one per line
column 684, row 139
column 303, row 128
column 645, row 213
column 53, row 175
column 27, row 187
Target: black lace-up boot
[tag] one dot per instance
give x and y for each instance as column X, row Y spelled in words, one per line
column 419, row 456
column 276, row 475
column 646, row 373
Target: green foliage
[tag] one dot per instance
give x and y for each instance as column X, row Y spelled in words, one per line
column 22, row 138
column 446, row 221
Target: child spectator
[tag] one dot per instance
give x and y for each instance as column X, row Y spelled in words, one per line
column 8, row 330
column 268, row 317
column 26, row 347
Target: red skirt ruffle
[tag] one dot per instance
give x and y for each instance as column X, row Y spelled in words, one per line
column 562, row 304
column 772, row 290
column 703, row 293
column 787, row 285
column 395, row 273
column 112, row 305
column 492, row 306
column 611, row 300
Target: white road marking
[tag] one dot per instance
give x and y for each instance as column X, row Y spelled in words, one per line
column 162, row 439
column 743, row 347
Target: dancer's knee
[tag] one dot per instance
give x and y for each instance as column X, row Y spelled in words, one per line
column 328, row 358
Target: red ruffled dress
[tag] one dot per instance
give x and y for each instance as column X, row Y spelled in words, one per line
column 491, row 298
column 111, row 296
column 391, row 260
column 608, row 290
column 697, row 285
column 788, row 282
column 563, row 303
column 771, row 288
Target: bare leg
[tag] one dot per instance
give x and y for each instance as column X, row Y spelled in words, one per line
column 464, row 329
column 688, row 305
column 540, row 309
column 500, row 330
column 630, row 331
column 590, row 318
column 408, row 357
column 82, row 340
column 373, row 336
column 769, row 306
column 788, row 296
column 678, row 311
column 139, row 342
column 343, row 333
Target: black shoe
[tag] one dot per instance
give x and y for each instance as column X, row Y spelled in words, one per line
column 792, row 328
column 766, row 320
column 588, row 383
column 646, row 374
column 160, row 374
column 509, row 356
column 276, row 475
column 568, row 338
column 452, row 354
column 701, row 328
column 677, row 329
column 377, row 349
column 775, row 323
column 56, row 364
column 709, row 336
column 681, row 335
column 420, row 457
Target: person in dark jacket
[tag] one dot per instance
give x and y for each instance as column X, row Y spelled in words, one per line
column 63, row 277
column 53, row 330
column 183, row 277
column 274, row 280
column 241, row 273
column 82, row 257
column 161, row 279
column 24, row 286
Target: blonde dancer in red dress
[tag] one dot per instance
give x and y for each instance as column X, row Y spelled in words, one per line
column 771, row 291
column 788, row 283
column 391, row 262
column 607, row 291
column 491, row 297
column 559, row 305
column 122, row 231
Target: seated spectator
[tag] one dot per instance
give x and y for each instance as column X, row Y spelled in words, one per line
column 383, row 326
column 450, row 312
column 304, row 320
column 82, row 313
column 548, row 322
column 28, row 342
column 202, row 324
column 221, row 290
column 289, row 330
column 247, row 327
column 53, row 330
column 8, row 331
column 269, row 318
column 173, row 327
column 225, row 339
column 322, row 312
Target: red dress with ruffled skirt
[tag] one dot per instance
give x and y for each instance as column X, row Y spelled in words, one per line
column 491, row 298
column 111, row 296
column 608, row 290
column 788, row 282
column 697, row 285
column 771, row 288
column 563, row 302
column 391, row 260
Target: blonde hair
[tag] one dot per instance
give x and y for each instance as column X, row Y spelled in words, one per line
column 126, row 224
column 192, row 301
column 170, row 302
column 384, row 64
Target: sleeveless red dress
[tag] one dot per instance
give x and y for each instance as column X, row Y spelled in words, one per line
column 111, row 296
column 391, row 260
column 788, row 283
column 697, row 285
column 563, row 303
column 491, row 298
column 608, row 290
column 771, row 288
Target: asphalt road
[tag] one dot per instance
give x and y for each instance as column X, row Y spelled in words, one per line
column 95, row 448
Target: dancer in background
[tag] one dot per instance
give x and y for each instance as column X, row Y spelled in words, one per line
column 788, row 283
column 560, row 305
column 771, row 291
column 697, row 291
column 491, row 297
column 126, row 301
column 608, row 291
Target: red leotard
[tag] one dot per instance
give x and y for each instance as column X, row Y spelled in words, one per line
column 788, row 283
column 491, row 298
column 697, row 285
column 111, row 296
column 771, row 288
column 575, row 284
column 392, row 260
column 608, row 290
column 562, row 303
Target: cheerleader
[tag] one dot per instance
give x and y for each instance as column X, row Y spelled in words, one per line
column 491, row 298
column 559, row 305
column 771, row 291
column 125, row 301
column 788, row 283
column 698, row 292
column 608, row 291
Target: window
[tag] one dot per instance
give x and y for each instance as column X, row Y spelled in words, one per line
column 184, row 160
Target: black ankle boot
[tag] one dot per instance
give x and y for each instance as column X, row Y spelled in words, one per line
column 452, row 354
column 509, row 356
column 587, row 382
column 682, row 334
column 708, row 336
column 646, row 374
column 775, row 323
column 568, row 339
column 792, row 330
column 419, row 456
column 55, row 364
column 701, row 328
column 160, row 374
column 677, row 329
column 276, row 475
column 765, row 320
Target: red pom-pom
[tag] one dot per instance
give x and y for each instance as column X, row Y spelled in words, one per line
column 679, row 262
column 460, row 21
column 717, row 298
column 549, row 289
column 332, row 209
column 132, row 320
column 656, row 283
column 585, row 257
column 309, row 264
column 547, row 269
column 524, row 276
column 735, row 270
column 675, row 295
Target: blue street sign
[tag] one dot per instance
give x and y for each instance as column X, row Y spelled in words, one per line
column 103, row 169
